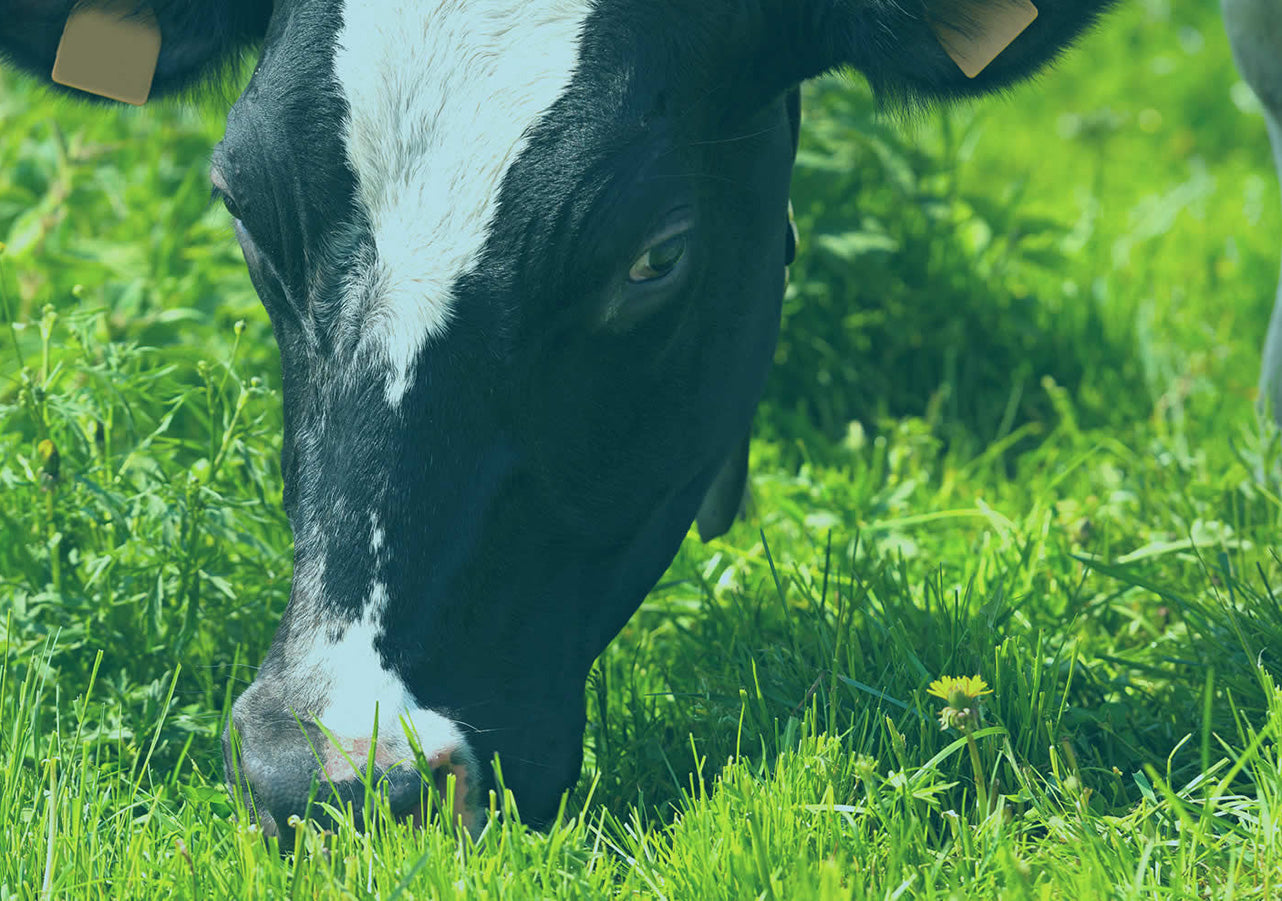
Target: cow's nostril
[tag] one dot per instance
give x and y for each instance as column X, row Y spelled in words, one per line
column 447, row 792
column 452, row 794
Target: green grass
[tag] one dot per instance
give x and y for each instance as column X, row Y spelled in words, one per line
column 1010, row 433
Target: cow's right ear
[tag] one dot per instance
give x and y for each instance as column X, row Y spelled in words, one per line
column 199, row 39
column 928, row 49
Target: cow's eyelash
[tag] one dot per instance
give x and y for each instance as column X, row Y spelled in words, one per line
column 218, row 195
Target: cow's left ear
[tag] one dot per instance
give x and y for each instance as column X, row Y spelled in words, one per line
column 932, row 49
column 198, row 38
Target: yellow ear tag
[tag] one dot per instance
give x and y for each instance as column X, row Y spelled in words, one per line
column 990, row 28
column 110, row 49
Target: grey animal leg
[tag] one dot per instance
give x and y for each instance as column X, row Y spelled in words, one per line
column 1271, row 368
column 1270, row 399
column 1255, row 32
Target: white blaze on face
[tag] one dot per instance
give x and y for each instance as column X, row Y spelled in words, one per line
column 440, row 94
column 350, row 685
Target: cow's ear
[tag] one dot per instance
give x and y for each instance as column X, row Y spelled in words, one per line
column 199, row 39
column 934, row 49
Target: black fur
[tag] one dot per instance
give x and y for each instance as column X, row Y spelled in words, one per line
column 891, row 42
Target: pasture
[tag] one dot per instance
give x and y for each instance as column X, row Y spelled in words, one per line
column 1010, row 433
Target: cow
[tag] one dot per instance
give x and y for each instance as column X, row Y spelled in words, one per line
column 524, row 261
column 1255, row 33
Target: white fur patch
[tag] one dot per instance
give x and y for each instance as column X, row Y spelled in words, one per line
column 349, row 684
column 441, row 94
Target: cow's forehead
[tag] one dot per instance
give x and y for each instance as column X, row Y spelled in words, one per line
column 440, row 94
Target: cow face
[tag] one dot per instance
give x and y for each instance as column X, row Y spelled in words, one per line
column 525, row 275
column 524, row 262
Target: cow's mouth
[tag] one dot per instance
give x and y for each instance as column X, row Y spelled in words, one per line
column 289, row 772
column 449, row 796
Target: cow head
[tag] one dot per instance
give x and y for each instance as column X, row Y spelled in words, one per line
column 524, row 261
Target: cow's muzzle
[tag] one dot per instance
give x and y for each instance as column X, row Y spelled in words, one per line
column 287, row 768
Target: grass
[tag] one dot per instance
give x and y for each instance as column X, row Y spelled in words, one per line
column 1010, row 433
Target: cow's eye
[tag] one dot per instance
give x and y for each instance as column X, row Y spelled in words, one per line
column 228, row 202
column 232, row 208
column 659, row 259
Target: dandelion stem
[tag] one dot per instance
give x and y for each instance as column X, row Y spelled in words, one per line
column 981, row 780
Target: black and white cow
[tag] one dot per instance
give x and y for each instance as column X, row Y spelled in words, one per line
column 524, row 260
column 1255, row 33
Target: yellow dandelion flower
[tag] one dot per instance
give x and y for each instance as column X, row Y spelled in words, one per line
column 959, row 691
column 961, row 694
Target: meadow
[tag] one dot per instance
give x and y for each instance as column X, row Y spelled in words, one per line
column 1010, row 434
